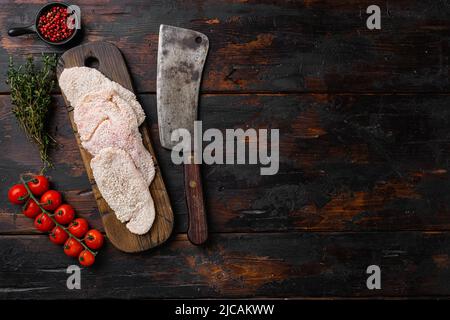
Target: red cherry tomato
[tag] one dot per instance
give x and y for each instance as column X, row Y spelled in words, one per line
column 78, row 227
column 64, row 214
column 38, row 185
column 72, row 248
column 93, row 239
column 18, row 194
column 43, row 223
column 51, row 200
column 86, row 258
column 31, row 209
column 58, row 235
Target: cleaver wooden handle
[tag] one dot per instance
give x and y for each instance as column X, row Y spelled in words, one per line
column 197, row 227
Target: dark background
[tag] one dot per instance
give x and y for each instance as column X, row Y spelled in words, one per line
column 364, row 153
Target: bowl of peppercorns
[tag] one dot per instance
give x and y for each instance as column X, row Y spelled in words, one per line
column 56, row 23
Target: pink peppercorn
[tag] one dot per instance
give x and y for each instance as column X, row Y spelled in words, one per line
column 52, row 24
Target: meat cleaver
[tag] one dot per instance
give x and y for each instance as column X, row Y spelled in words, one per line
column 181, row 56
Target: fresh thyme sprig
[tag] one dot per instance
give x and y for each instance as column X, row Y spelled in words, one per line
column 31, row 99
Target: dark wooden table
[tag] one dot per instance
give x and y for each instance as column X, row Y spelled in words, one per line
column 364, row 153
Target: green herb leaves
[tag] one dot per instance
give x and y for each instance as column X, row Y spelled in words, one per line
column 31, row 99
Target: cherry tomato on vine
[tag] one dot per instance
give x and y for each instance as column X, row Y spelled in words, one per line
column 58, row 235
column 51, row 200
column 38, row 185
column 72, row 248
column 18, row 194
column 64, row 214
column 86, row 258
column 31, row 209
column 78, row 227
column 43, row 222
column 93, row 239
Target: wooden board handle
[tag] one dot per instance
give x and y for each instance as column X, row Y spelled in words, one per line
column 197, row 226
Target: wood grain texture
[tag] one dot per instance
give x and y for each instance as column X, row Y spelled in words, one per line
column 271, row 46
column 111, row 64
column 347, row 163
column 236, row 265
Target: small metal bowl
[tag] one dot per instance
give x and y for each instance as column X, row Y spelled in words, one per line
column 18, row 31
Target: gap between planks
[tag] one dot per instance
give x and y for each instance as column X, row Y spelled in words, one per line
column 286, row 93
column 182, row 236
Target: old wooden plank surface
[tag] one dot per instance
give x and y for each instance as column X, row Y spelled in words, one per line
column 347, row 163
column 237, row 265
column 270, row 45
column 363, row 177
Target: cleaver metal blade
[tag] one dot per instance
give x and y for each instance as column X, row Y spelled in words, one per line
column 181, row 57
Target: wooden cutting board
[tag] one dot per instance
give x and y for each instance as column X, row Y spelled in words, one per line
column 107, row 58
